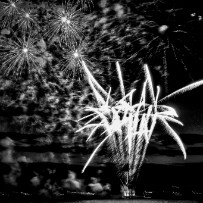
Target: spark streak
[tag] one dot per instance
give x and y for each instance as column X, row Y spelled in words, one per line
column 127, row 128
column 8, row 12
column 18, row 54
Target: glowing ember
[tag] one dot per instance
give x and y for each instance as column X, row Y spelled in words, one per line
column 162, row 29
column 63, row 19
column 13, row 5
column 75, row 54
column 27, row 15
column 25, row 50
column 68, row 21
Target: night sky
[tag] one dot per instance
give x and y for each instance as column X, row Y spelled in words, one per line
column 163, row 154
column 164, row 150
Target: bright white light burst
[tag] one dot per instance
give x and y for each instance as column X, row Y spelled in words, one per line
column 18, row 54
column 71, row 64
column 127, row 127
column 27, row 20
column 66, row 24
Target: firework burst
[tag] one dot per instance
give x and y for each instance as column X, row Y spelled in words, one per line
column 168, row 36
column 8, row 12
column 66, row 24
column 127, row 127
column 71, row 64
column 27, row 20
column 18, row 55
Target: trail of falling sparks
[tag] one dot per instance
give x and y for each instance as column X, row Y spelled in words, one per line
column 128, row 127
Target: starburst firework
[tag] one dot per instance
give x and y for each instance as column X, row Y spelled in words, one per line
column 71, row 64
column 8, row 12
column 128, row 127
column 66, row 24
column 27, row 20
column 18, row 54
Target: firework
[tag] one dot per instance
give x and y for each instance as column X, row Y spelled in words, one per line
column 66, row 24
column 18, row 54
column 127, row 127
column 71, row 64
column 26, row 20
column 8, row 12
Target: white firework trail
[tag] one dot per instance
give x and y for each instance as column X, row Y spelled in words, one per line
column 8, row 12
column 127, row 127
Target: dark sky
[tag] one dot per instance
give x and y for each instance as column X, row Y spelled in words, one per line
column 164, row 150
